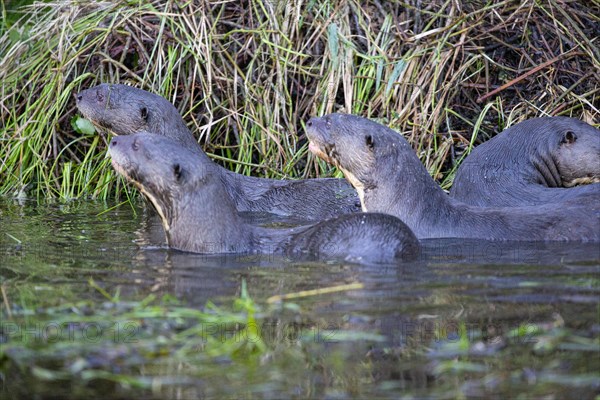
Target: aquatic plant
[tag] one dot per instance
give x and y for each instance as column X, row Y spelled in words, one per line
column 246, row 75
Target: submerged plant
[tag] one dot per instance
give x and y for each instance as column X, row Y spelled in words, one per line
column 92, row 340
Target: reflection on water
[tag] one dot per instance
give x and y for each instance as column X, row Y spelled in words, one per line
column 495, row 297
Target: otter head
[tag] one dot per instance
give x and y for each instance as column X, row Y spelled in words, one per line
column 356, row 146
column 120, row 108
column 578, row 152
column 169, row 175
column 125, row 110
column 196, row 211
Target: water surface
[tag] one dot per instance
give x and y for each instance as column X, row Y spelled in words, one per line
column 467, row 319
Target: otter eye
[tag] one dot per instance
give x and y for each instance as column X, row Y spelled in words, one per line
column 144, row 113
column 99, row 95
column 569, row 137
column 134, row 145
column 369, row 141
column 177, row 171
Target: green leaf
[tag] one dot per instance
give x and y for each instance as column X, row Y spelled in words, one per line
column 82, row 125
column 398, row 69
column 334, row 45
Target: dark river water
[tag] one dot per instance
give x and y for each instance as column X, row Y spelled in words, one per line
column 466, row 320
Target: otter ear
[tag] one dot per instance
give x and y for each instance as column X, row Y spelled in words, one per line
column 370, row 142
column 177, row 172
column 569, row 137
column 144, row 113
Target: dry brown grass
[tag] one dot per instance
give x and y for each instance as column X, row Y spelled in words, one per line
column 247, row 75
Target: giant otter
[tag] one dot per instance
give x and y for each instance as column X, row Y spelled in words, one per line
column 126, row 110
column 531, row 163
column 389, row 178
column 199, row 216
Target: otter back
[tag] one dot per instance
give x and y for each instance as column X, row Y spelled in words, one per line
column 394, row 181
column 531, row 163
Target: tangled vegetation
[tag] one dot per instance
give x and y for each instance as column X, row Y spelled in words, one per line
column 247, row 75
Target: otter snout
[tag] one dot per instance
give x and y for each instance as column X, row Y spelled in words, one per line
column 320, row 124
column 115, row 147
column 117, row 154
column 80, row 99
column 95, row 95
column 316, row 131
column 121, row 143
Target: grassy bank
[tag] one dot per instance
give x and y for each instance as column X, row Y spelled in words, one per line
column 247, row 75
